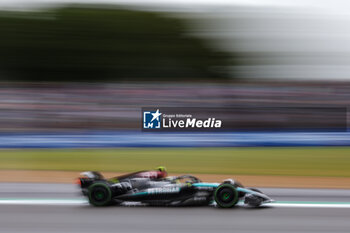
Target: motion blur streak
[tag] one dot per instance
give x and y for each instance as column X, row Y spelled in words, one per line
column 108, row 139
column 72, row 106
column 78, row 75
column 268, row 39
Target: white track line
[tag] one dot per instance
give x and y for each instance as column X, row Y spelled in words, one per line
column 309, row 205
column 69, row 202
column 80, row 202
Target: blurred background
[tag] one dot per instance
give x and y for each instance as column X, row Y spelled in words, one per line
column 76, row 74
column 82, row 65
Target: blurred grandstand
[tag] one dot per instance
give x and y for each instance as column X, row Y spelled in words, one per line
column 98, row 106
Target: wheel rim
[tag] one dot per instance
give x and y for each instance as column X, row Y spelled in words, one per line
column 226, row 196
column 99, row 194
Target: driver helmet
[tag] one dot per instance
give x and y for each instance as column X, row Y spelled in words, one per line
column 162, row 173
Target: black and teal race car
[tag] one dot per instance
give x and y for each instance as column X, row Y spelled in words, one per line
column 152, row 188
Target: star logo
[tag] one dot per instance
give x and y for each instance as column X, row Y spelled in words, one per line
column 156, row 115
column 152, row 119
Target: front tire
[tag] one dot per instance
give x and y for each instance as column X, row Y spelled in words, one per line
column 226, row 196
column 100, row 194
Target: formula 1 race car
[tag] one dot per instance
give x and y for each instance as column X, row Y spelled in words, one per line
column 156, row 189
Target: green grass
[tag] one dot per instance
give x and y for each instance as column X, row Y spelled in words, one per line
column 321, row 161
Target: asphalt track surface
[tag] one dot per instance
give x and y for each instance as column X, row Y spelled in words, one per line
column 80, row 217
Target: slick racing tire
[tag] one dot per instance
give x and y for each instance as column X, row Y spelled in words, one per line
column 226, row 196
column 100, row 194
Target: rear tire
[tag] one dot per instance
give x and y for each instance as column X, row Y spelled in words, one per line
column 226, row 196
column 100, row 194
